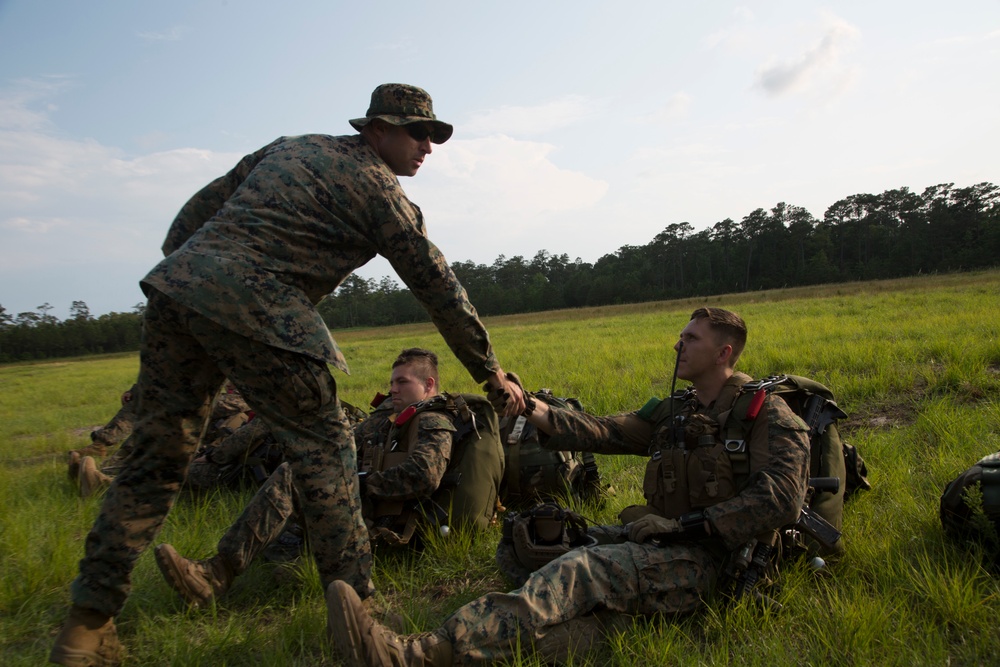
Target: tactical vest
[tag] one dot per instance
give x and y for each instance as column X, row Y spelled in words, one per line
column 467, row 495
column 717, row 456
column 697, row 458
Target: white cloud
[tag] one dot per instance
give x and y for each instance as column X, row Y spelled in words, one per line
column 534, row 120
column 17, row 102
column 34, row 225
column 974, row 39
column 80, row 222
column 484, row 197
column 517, row 176
column 818, row 65
column 735, row 33
column 676, row 108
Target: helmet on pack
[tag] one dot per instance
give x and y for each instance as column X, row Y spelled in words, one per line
column 537, row 536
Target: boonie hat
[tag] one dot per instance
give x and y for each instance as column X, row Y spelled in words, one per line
column 400, row 104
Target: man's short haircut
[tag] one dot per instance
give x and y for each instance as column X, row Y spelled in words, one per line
column 727, row 326
column 424, row 362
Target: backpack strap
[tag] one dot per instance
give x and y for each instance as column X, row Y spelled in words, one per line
column 512, row 452
column 463, row 416
column 739, row 397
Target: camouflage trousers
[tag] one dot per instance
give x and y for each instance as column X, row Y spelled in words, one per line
column 183, row 361
column 261, row 521
column 228, row 455
column 566, row 606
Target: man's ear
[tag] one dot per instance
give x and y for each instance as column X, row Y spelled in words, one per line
column 430, row 384
column 379, row 127
column 725, row 354
column 374, row 130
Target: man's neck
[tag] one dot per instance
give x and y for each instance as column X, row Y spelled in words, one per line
column 422, row 400
column 709, row 388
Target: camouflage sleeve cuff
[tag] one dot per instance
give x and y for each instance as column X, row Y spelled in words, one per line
column 489, row 368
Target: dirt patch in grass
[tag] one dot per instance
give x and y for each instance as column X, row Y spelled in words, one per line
column 887, row 416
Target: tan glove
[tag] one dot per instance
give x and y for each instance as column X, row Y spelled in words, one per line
column 649, row 526
column 499, row 396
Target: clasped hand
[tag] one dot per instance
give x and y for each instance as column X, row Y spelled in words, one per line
column 650, row 526
column 507, row 397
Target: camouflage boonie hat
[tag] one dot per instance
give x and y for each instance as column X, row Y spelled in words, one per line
column 400, row 104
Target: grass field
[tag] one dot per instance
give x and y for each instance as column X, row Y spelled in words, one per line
column 915, row 363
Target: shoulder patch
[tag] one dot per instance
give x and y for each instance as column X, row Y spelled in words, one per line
column 435, row 420
column 646, row 411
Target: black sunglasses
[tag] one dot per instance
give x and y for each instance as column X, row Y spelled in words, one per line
column 419, row 131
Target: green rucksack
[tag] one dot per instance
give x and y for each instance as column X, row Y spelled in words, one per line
column 970, row 504
column 535, row 474
column 830, row 457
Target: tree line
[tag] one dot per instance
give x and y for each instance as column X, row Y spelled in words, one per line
column 41, row 335
column 863, row 237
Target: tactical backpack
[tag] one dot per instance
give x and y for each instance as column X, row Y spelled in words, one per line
column 534, row 473
column 970, row 504
column 467, row 495
column 830, row 457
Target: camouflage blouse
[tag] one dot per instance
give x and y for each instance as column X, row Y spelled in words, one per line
column 256, row 249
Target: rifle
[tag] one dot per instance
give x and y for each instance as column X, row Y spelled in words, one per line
column 751, row 561
column 811, row 523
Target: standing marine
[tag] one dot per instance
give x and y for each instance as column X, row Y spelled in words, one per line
column 248, row 257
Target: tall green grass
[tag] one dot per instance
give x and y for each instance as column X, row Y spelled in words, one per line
column 915, row 363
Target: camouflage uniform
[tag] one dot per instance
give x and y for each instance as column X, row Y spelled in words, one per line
column 418, row 476
column 229, row 411
column 222, row 460
column 241, row 450
column 568, row 601
column 248, row 258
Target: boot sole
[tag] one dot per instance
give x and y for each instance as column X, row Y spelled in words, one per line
column 68, row 657
column 74, row 466
column 342, row 627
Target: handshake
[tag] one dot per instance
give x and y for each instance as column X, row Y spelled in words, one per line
column 506, row 394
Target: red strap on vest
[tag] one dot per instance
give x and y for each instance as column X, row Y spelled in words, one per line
column 756, row 404
column 405, row 415
column 377, row 401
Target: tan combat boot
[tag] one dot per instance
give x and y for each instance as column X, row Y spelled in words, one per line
column 74, row 465
column 197, row 581
column 88, row 639
column 363, row 642
column 93, row 449
column 92, row 480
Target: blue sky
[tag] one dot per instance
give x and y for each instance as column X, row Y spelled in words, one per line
column 580, row 126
